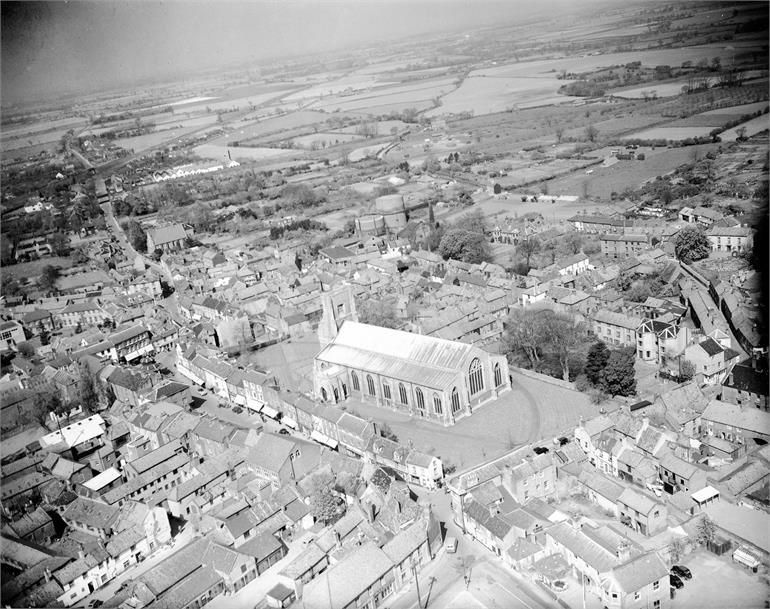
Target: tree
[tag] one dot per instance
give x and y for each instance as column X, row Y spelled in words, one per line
column 48, row 277
column 45, row 336
column 327, row 506
column 386, row 432
column 596, row 360
column 676, row 550
column 474, row 222
column 59, row 243
column 528, row 248
column 706, row 530
column 618, row 375
column 525, row 330
column 591, row 133
column 563, row 333
column 87, row 389
column 136, row 235
column 686, row 370
column 691, row 244
column 377, row 312
column 571, row 242
column 461, row 244
column 26, row 349
column 47, row 402
column 497, row 189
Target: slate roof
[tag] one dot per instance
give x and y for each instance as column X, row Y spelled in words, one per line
column 579, row 544
column 745, row 378
column 711, row 347
column 749, row 419
column 636, row 501
column 640, row 572
column 91, row 513
column 431, row 362
column 167, row 234
column 347, row 580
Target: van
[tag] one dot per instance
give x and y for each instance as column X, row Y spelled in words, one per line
column 746, row 557
column 450, row 544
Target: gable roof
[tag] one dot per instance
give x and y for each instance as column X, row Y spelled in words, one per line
column 429, row 361
column 639, row 572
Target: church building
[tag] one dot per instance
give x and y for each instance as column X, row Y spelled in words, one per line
column 432, row 378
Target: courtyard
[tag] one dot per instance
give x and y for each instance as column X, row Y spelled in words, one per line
column 534, row 409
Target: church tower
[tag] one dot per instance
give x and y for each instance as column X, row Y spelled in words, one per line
column 337, row 305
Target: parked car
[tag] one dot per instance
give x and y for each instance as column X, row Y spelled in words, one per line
column 681, row 572
column 540, row 450
column 283, row 431
column 675, row 581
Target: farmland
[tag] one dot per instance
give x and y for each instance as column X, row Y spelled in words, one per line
column 219, row 153
column 626, row 174
column 752, row 127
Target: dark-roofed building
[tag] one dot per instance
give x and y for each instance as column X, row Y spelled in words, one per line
column 747, row 385
column 167, row 238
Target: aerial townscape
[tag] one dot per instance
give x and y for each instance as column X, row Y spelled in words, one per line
column 339, row 305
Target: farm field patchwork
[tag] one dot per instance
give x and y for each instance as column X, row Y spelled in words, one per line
column 626, row 174
column 668, row 132
column 219, row 153
column 752, row 127
column 485, row 95
column 249, row 131
column 316, row 141
column 414, row 92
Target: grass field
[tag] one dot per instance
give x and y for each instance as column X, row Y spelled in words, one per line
column 250, row 131
column 387, row 96
column 317, row 141
column 752, row 127
column 219, row 153
column 668, row 132
column 32, row 269
column 487, row 94
column 157, row 138
column 626, row 174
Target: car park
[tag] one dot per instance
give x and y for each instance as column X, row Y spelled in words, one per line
column 681, row 572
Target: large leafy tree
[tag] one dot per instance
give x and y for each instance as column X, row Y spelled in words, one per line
column 326, row 505
column 88, row 391
column 618, row 374
column 377, row 312
column 136, row 235
column 48, row 277
column 563, row 333
column 691, row 244
column 528, row 248
column 465, row 245
column 596, row 360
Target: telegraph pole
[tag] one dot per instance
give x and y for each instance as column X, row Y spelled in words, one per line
column 417, row 583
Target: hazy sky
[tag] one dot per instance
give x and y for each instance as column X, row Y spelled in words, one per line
column 70, row 46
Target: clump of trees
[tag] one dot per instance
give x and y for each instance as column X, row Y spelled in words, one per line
column 276, row 232
column 691, row 244
column 538, row 332
column 608, row 372
column 377, row 312
column 136, row 235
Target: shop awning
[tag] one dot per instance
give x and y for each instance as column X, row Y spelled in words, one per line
column 289, row 422
column 323, row 439
column 271, row 412
column 705, row 494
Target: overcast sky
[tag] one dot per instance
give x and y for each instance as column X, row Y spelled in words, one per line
column 58, row 46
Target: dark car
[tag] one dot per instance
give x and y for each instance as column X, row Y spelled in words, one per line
column 540, row 450
column 675, row 581
column 283, row 431
column 681, row 572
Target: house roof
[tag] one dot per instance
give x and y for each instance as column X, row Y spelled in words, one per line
column 167, row 234
column 745, row 378
column 581, row 545
column 92, row 513
column 636, row 501
column 750, row 419
column 640, row 572
column 347, row 580
column 711, row 347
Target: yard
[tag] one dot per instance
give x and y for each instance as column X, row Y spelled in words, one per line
column 534, row 409
column 717, row 582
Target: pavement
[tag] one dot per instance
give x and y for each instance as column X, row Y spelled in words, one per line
column 534, row 409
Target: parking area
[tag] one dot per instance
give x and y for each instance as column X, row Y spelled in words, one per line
column 717, row 582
